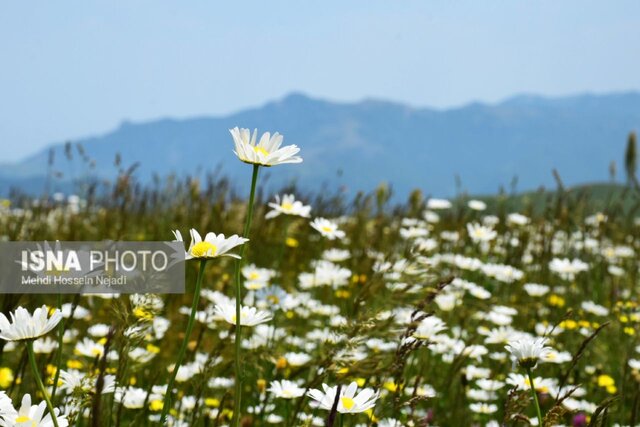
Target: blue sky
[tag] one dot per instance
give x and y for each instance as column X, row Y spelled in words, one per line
column 77, row 68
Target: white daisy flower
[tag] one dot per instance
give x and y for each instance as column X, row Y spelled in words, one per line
column 477, row 205
column 327, row 228
column 483, row 408
column 249, row 316
column 348, row 401
column 89, row 348
column 593, row 308
column 212, row 246
column 131, row 397
column 438, row 204
column 535, row 289
column 267, row 152
column 336, row 255
column 297, row 359
column 256, row 274
column 288, row 206
column 480, row 233
column 7, row 412
column 517, row 219
column 24, row 326
column 543, row 385
column 33, row 416
column 44, row 345
column 285, row 389
column 528, row 350
column 99, row 330
column 429, row 328
column 76, row 381
column 567, row 269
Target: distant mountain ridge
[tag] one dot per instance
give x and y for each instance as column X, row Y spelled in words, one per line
column 375, row 141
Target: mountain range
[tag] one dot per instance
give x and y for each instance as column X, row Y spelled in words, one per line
column 360, row 145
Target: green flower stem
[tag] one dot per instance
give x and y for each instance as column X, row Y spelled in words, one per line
column 287, row 410
column 59, row 352
column 183, row 349
column 36, row 375
column 245, row 234
column 535, row 396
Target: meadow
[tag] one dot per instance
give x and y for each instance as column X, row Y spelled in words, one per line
column 355, row 311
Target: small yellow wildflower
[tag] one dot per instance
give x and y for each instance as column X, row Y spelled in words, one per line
column 155, row 405
column 153, row 349
column 556, row 300
column 391, row 386
column 568, row 324
column 74, row 364
column 6, row 377
column 372, row 417
column 343, row 294
column 213, row 402
column 343, row 371
column 281, row 363
column 608, row 383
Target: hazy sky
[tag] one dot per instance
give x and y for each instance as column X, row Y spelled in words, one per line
column 76, row 68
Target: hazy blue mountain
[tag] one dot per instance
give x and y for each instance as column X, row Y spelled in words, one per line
column 362, row 144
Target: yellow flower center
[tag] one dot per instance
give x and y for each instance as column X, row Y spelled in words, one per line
column 260, row 150
column 286, row 206
column 327, row 228
column 605, row 381
column 23, row 419
column 273, row 299
column 204, row 249
column 253, row 276
column 287, row 393
column 141, row 313
column 347, row 402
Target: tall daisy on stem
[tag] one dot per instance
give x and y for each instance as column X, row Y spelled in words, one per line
column 267, row 152
column 27, row 328
column 528, row 351
column 212, row 246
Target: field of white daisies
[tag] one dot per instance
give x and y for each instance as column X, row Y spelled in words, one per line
column 314, row 310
